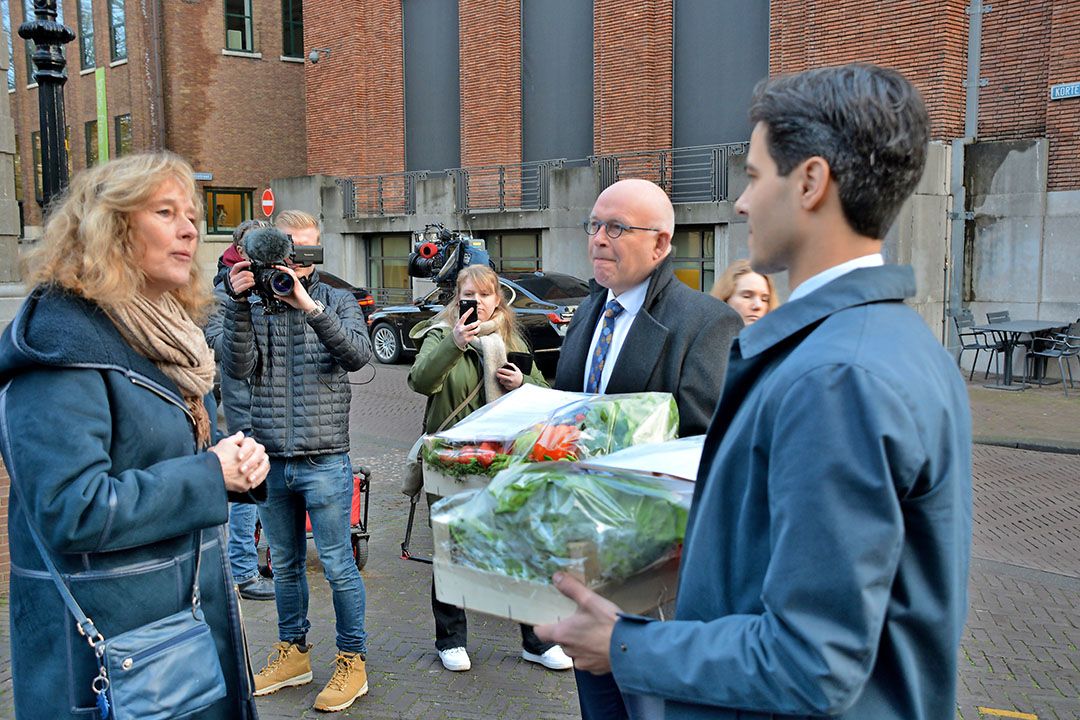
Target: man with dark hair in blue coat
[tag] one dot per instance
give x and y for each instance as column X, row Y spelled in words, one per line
column 824, row 571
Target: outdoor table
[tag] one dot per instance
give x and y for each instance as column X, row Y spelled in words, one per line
column 1010, row 333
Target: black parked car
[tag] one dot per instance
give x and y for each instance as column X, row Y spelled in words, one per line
column 364, row 299
column 543, row 304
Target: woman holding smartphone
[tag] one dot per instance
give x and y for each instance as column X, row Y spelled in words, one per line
column 463, row 357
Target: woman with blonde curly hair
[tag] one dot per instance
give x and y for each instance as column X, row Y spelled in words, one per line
column 462, row 365
column 116, row 479
column 750, row 294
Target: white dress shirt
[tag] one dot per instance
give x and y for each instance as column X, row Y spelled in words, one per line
column 631, row 301
column 826, row 276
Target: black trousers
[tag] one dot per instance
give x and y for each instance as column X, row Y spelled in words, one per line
column 451, row 628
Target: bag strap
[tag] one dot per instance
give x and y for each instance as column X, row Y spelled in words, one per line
column 464, row 404
column 414, row 451
column 84, row 624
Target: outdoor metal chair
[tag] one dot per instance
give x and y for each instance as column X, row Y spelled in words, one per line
column 1062, row 347
column 975, row 340
column 1003, row 316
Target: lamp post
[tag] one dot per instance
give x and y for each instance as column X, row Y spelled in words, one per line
column 49, row 38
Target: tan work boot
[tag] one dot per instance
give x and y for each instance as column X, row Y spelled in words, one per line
column 292, row 666
column 348, row 682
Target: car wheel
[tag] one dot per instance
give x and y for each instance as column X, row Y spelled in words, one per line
column 385, row 343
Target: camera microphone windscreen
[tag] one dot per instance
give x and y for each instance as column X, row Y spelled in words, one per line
column 267, row 246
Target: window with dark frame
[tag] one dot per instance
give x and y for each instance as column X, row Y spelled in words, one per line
column 85, row 11
column 117, row 31
column 90, row 139
column 514, row 252
column 28, row 16
column 5, row 8
column 226, row 208
column 124, row 139
column 693, row 256
column 35, row 143
column 292, row 26
column 388, row 268
column 238, row 34
column 18, row 173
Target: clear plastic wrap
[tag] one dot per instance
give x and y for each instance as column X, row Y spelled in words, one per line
column 599, row 425
column 534, row 425
column 601, row 525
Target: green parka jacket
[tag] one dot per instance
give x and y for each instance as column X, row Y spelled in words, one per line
column 447, row 374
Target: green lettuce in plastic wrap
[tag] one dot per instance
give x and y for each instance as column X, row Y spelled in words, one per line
column 590, row 427
column 600, row 425
column 536, row 519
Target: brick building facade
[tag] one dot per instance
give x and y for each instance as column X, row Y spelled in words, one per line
column 1027, row 46
column 224, row 90
column 357, row 113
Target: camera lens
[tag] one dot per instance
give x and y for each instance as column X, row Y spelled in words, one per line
column 282, row 283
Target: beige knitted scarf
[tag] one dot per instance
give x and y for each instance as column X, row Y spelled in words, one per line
column 492, row 351
column 165, row 334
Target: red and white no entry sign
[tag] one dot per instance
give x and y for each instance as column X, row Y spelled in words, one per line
column 268, row 202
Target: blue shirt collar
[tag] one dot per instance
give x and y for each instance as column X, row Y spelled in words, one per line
column 888, row 283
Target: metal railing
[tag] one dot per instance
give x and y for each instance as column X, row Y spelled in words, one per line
column 384, row 194
column 689, row 174
column 525, row 186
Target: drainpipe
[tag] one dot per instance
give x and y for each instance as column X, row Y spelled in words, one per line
column 960, row 215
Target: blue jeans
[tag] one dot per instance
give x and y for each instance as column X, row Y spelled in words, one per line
column 243, row 555
column 599, row 697
column 322, row 485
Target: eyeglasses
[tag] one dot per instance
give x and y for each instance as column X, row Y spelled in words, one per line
column 614, row 228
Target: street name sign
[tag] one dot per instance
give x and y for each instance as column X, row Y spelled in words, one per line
column 1065, row 91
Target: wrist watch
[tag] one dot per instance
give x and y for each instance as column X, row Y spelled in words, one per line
column 317, row 310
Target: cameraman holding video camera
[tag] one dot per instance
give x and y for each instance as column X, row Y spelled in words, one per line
column 297, row 339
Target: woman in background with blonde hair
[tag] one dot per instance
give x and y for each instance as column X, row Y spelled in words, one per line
column 464, row 359
column 750, row 294
column 105, row 431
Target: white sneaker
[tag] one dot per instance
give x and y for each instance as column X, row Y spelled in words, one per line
column 456, row 659
column 553, row 659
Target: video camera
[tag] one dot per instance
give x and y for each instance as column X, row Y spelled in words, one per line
column 441, row 254
column 267, row 247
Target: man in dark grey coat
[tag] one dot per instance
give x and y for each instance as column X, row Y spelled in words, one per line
column 642, row 330
column 298, row 362
column 676, row 339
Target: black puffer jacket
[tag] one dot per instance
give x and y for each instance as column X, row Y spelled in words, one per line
column 298, row 367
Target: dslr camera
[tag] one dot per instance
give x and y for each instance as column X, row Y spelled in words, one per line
column 267, row 247
column 440, row 254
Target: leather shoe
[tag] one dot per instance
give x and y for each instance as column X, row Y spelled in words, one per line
column 257, row 588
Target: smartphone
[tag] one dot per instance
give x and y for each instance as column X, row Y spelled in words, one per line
column 464, row 305
column 523, row 360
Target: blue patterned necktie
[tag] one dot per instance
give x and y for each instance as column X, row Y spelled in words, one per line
column 603, row 345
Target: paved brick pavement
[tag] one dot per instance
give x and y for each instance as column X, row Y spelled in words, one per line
column 1019, row 650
